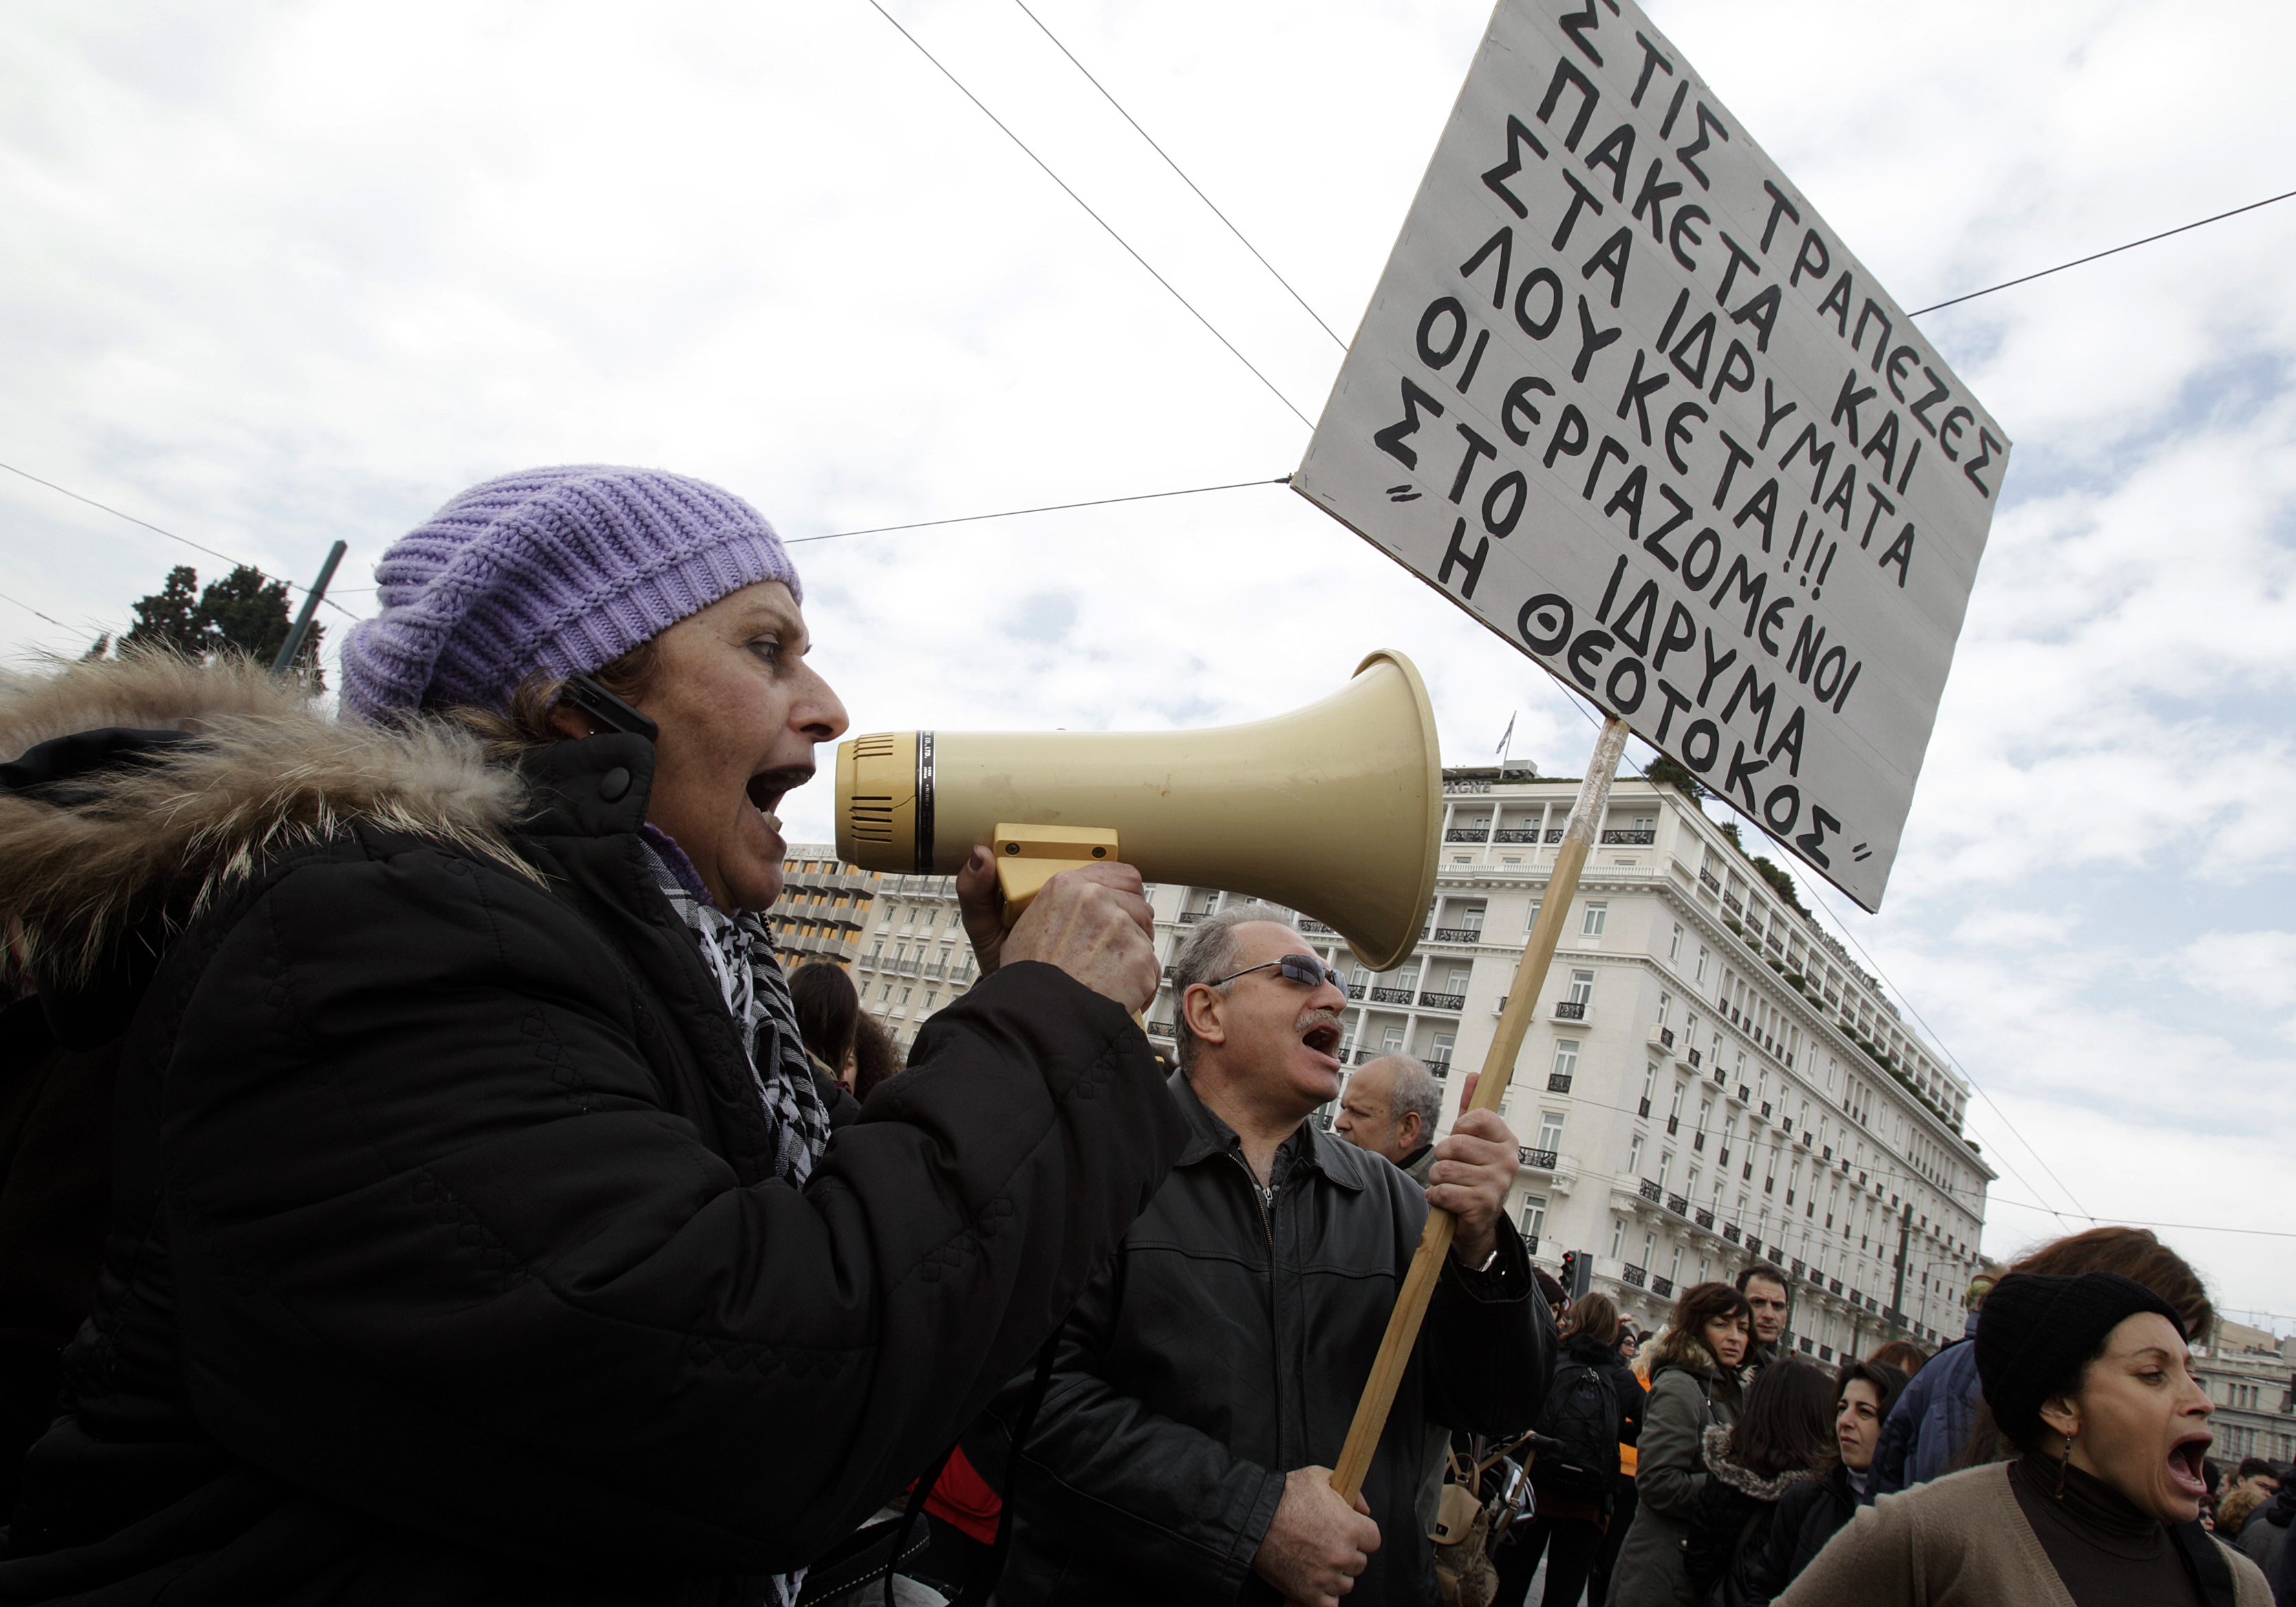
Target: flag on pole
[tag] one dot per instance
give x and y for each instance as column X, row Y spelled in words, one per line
column 1505, row 737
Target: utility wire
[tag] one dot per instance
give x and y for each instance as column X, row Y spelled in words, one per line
column 2095, row 256
column 1175, row 167
column 2181, row 1227
column 28, row 609
column 1057, row 507
column 1096, row 216
column 171, row 534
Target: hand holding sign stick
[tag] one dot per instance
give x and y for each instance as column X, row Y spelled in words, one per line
column 1498, row 1066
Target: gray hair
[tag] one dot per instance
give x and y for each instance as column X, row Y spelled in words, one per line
column 1416, row 1093
column 1210, row 953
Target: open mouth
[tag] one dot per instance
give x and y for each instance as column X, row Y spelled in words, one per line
column 2186, row 1464
column 1322, row 1038
column 768, row 788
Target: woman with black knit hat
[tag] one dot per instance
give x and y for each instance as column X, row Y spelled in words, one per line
column 482, row 1232
column 2089, row 1378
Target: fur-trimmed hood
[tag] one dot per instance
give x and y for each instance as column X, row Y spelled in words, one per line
column 1746, row 1482
column 168, row 823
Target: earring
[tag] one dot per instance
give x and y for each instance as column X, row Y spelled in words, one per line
column 2064, row 1463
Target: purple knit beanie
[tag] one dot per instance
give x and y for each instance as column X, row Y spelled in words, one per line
column 560, row 570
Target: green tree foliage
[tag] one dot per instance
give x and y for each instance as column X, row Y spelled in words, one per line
column 1665, row 772
column 168, row 617
column 1777, row 876
column 243, row 613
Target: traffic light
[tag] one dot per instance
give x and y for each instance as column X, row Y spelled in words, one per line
column 1578, row 1272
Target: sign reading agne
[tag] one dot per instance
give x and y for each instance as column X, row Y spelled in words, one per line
column 1624, row 396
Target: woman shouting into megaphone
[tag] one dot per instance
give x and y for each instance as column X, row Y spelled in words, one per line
column 481, row 1231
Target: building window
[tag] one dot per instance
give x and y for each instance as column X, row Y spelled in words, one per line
column 1582, row 988
column 1665, row 1007
column 1674, row 948
column 1550, row 1130
column 1635, row 1157
column 1534, row 1215
column 1531, row 918
column 1617, row 1235
column 1445, row 1042
column 1665, row 1168
column 1392, row 1041
column 1699, row 974
column 1597, row 916
column 1461, row 975
column 1649, row 1249
column 1566, row 1058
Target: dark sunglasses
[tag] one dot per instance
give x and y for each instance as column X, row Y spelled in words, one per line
column 1306, row 970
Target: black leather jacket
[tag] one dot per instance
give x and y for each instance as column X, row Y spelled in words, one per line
column 1227, row 1344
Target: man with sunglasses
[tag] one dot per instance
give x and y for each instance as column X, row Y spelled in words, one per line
column 1204, row 1382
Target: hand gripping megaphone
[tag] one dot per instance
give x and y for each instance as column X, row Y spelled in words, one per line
column 1334, row 810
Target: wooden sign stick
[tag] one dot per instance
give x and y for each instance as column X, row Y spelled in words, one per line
column 1498, row 1066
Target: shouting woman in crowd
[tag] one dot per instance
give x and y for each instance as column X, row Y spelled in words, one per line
column 1810, row 1514
column 480, row 1235
column 2089, row 1377
column 1693, row 1387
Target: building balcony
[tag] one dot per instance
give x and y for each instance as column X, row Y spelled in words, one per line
column 1443, row 1001
column 1468, row 835
column 1731, row 902
column 1515, row 834
column 1629, row 839
column 1538, row 1160
column 1787, row 1123
column 1438, row 1065
column 1531, row 1245
column 1316, row 929
column 1651, row 1192
column 1766, row 1110
column 1457, row 934
column 1704, row 1220
column 1730, row 1232
column 1662, row 1038
column 1569, row 1009
column 1673, row 1127
column 1706, row 880
column 1745, row 1094
column 1160, row 1029
column 1678, row 1204
column 1796, row 1267
column 1390, row 995
column 1834, row 1284
column 1356, row 990
column 1698, row 1141
column 1663, row 1287
column 1642, row 1107
column 1558, row 1082
column 1189, row 917
column 1635, row 1276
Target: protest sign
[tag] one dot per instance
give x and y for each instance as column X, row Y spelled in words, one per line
column 1623, row 395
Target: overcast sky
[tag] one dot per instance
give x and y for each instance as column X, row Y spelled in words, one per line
column 277, row 274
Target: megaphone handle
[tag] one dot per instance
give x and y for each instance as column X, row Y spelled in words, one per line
column 1498, row 1065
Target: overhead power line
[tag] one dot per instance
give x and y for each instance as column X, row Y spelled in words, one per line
column 1057, row 507
column 1096, row 216
column 2181, row 1227
column 1175, row 167
column 2095, row 256
column 171, row 534
column 28, row 609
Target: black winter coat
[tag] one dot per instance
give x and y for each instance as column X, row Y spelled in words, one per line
column 1736, row 1507
column 1807, row 1517
column 1227, row 1344
column 446, row 1263
column 1584, row 1350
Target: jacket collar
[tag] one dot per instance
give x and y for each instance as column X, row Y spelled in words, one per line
column 1337, row 1160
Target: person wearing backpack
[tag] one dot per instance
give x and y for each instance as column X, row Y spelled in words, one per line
column 1593, row 1408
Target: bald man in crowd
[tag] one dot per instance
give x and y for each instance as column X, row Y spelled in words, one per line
column 1390, row 1108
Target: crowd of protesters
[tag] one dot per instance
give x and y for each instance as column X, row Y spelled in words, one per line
column 423, row 1183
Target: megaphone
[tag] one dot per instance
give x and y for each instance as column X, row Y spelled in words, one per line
column 1334, row 810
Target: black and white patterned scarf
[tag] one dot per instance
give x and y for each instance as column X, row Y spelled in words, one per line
column 739, row 952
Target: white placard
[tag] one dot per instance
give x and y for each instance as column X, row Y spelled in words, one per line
column 1624, row 396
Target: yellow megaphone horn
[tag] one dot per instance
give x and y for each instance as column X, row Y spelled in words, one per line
column 1334, row 810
